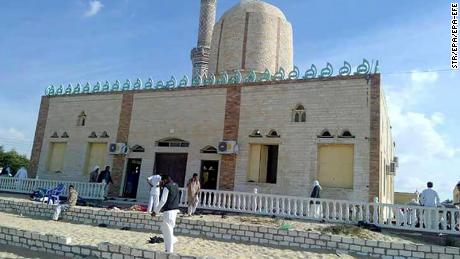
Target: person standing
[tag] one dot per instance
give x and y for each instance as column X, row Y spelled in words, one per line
column 429, row 198
column 21, row 174
column 315, row 194
column 456, row 195
column 169, row 205
column 193, row 191
column 154, row 183
column 71, row 201
column 94, row 175
column 106, row 178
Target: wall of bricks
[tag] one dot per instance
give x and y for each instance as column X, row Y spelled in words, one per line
column 63, row 246
column 253, row 234
column 231, row 127
column 39, row 135
column 118, row 161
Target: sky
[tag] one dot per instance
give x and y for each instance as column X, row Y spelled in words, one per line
column 78, row 41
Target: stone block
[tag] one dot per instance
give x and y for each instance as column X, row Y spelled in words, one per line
column 410, row 247
column 104, row 246
column 355, row 247
column 126, row 250
column 452, row 250
column 136, row 252
column 149, row 254
column 418, row 254
column 405, row 253
column 76, row 250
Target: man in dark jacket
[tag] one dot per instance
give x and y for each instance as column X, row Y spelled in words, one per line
column 169, row 205
column 106, row 178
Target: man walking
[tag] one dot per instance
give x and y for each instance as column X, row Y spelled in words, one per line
column 429, row 198
column 106, row 178
column 71, row 201
column 169, row 205
column 94, row 175
column 154, row 182
column 193, row 190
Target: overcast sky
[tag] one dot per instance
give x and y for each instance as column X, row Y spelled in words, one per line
column 60, row 42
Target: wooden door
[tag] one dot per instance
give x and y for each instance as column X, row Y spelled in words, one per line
column 172, row 164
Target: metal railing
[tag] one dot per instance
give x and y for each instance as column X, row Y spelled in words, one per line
column 405, row 217
column 27, row 186
column 395, row 216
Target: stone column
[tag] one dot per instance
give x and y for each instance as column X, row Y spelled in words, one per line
column 118, row 162
column 39, row 136
column 200, row 54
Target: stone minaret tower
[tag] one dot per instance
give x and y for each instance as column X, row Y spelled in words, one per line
column 200, row 54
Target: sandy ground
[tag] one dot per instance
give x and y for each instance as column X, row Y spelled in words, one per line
column 302, row 225
column 21, row 253
column 92, row 235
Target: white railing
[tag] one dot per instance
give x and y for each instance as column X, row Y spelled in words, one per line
column 415, row 218
column 28, row 185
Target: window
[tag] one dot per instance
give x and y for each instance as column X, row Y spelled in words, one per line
column 56, row 156
column 256, row 134
column 105, row 134
column 92, row 135
column 95, row 156
column 298, row 114
column 173, row 142
column 335, row 165
column 81, row 119
column 263, row 163
column 325, row 134
column 209, row 150
column 273, row 134
column 137, row 149
column 346, row 134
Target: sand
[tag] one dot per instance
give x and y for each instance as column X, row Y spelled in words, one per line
column 92, row 235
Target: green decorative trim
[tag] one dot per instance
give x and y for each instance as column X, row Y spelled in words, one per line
column 365, row 68
column 171, row 83
column 294, row 74
column 138, row 84
column 126, row 85
column 327, row 71
column 149, row 84
column 251, row 77
column 345, row 70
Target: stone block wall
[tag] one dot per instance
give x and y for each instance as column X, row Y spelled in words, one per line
column 61, row 245
column 253, row 234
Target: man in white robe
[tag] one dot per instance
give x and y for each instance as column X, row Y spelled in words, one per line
column 22, row 173
column 154, row 183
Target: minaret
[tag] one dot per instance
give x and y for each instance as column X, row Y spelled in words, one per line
column 200, row 54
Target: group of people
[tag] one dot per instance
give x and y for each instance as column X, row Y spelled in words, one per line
column 101, row 177
column 7, row 171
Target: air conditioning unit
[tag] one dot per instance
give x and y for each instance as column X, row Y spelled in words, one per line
column 393, row 167
column 118, row 148
column 396, row 161
column 227, row 147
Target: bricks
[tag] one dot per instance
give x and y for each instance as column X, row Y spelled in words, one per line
column 39, row 136
column 231, row 127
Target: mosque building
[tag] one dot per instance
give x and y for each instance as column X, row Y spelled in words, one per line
column 247, row 119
